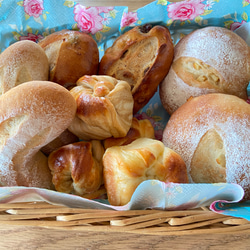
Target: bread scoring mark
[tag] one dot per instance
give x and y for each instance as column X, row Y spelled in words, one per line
column 135, row 62
column 209, row 161
column 10, row 127
column 196, row 73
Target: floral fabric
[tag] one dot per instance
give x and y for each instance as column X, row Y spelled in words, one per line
column 35, row 19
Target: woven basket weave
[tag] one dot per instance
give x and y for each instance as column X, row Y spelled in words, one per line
column 154, row 222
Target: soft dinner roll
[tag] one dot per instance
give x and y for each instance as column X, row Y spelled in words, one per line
column 211, row 133
column 71, row 55
column 141, row 56
column 77, row 168
column 21, row 62
column 31, row 115
column 208, row 60
column 104, row 108
column 125, row 167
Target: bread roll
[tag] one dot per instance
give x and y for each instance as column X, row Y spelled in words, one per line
column 77, row 168
column 21, row 62
column 32, row 114
column 104, row 108
column 125, row 167
column 208, row 60
column 142, row 56
column 139, row 129
column 211, row 133
column 71, row 55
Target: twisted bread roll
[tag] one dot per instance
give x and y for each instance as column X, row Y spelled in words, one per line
column 208, row 60
column 77, row 167
column 139, row 129
column 211, row 133
column 125, row 167
column 104, row 108
column 21, row 62
column 32, row 114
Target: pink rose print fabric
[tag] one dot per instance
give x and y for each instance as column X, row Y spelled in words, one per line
column 187, row 10
column 33, row 7
column 128, row 19
column 236, row 25
column 31, row 37
column 89, row 19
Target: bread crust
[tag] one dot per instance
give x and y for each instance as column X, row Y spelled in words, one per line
column 71, row 55
column 211, row 133
column 31, row 115
column 21, row 62
column 142, row 58
column 208, row 60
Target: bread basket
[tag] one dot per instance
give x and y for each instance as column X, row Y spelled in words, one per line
column 43, row 214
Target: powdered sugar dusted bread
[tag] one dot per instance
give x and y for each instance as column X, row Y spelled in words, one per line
column 141, row 56
column 211, row 133
column 21, row 62
column 32, row 114
column 208, row 60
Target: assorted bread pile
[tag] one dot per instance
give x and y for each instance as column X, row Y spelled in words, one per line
column 67, row 118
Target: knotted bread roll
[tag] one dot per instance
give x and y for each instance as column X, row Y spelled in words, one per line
column 77, row 168
column 125, row 167
column 104, row 108
column 31, row 115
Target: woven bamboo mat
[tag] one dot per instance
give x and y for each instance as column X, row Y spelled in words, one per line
column 154, row 222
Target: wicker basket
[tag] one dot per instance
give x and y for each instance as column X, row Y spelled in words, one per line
column 154, row 222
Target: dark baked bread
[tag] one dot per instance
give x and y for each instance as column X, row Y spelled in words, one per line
column 142, row 56
column 71, row 55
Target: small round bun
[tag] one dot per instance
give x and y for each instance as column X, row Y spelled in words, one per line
column 211, row 133
column 21, row 62
column 208, row 60
column 71, row 55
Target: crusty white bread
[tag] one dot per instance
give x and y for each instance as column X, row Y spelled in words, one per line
column 21, row 62
column 211, row 133
column 31, row 115
column 208, row 60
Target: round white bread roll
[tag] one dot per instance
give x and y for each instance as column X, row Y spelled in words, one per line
column 208, row 60
column 21, row 62
column 32, row 115
column 211, row 133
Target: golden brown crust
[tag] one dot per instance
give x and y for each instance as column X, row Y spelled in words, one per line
column 32, row 114
column 125, row 167
column 211, row 133
column 139, row 129
column 104, row 108
column 142, row 58
column 77, row 167
column 71, row 55
column 208, row 60
column 21, row 62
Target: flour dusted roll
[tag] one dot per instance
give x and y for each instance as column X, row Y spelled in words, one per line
column 21, row 62
column 125, row 167
column 208, row 60
column 32, row 114
column 211, row 133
